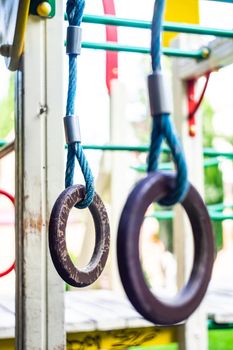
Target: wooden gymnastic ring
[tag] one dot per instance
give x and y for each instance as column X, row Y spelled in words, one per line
column 157, row 310
column 12, row 266
column 57, row 238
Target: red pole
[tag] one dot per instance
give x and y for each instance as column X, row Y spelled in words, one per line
column 193, row 104
column 111, row 35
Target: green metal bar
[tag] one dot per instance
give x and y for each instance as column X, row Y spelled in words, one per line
column 2, row 143
column 216, row 216
column 227, row 1
column 115, row 148
column 163, row 166
column 198, row 54
column 170, row 166
column 212, row 325
column 169, row 215
column 210, row 152
column 210, row 162
column 145, row 148
column 167, row 26
column 162, row 215
column 220, row 207
column 116, row 21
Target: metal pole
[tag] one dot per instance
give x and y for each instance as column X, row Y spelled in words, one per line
column 227, row 1
column 167, row 26
column 193, row 333
column 39, row 179
column 7, row 149
column 145, row 148
column 198, row 54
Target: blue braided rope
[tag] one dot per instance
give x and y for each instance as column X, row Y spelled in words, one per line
column 162, row 125
column 74, row 10
column 72, row 85
column 156, row 30
column 155, row 145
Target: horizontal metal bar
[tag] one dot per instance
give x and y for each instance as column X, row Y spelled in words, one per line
column 109, row 46
column 216, row 216
column 121, row 148
column 116, row 21
column 227, row 1
column 169, row 215
column 167, row 26
column 3, row 143
column 162, row 215
column 220, row 207
column 145, row 148
column 4, row 151
column 166, row 166
column 210, row 152
column 213, row 325
column 170, row 166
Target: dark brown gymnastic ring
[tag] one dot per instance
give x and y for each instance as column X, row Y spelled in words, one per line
column 157, row 310
column 57, row 238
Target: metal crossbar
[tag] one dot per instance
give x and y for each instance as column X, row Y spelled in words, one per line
column 198, row 54
column 167, row 26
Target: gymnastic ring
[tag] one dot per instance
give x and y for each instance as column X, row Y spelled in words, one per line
column 57, row 240
column 11, row 268
column 157, row 310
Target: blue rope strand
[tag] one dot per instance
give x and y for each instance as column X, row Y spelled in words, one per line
column 72, row 85
column 182, row 184
column 156, row 29
column 74, row 10
column 155, row 146
column 162, row 125
column 70, row 165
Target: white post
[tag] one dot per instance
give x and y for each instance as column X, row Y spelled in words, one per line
column 122, row 178
column 193, row 334
column 39, row 180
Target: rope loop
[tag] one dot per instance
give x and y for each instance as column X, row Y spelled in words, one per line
column 74, row 10
column 163, row 128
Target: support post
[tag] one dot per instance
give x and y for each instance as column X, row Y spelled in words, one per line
column 39, row 180
column 193, row 333
column 122, row 179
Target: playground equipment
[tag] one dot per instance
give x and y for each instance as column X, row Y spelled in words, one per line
column 152, row 189
column 39, row 109
column 57, row 238
column 80, row 197
column 157, row 187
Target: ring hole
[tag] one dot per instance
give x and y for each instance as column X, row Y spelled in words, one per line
column 164, row 275
column 80, row 237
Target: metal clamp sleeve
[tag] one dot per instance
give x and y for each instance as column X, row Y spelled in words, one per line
column 159, row 94
column 73, row 40
column 72, row 129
